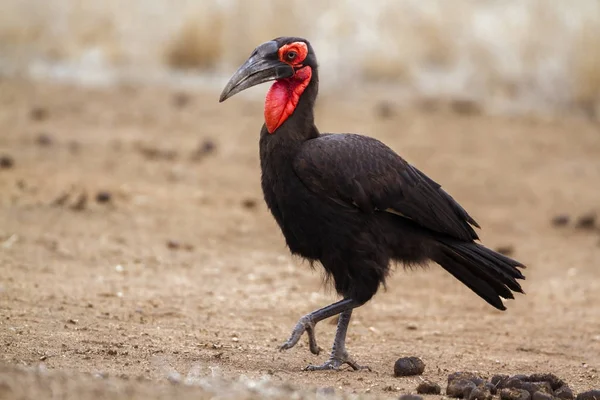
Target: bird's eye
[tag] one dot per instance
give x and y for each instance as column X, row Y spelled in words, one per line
column 291, row 55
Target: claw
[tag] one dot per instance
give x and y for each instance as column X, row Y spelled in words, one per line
column 335, row 363
column 305, row 324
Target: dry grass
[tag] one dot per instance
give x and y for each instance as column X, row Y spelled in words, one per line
column 198, row 43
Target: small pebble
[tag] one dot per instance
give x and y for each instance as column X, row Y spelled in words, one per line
column 38, row 113
column 587, row 221
column 181, row 100
column 103, row 197
column 589, row 395
column 460, row 388
column 514, row 394
column 531, row 387
column 554, row 381
column 408, row 366
column 561, row 220
column 384, row 110
column 564, row 392
column 44, row 140
column 480, row 393
column 249, row 203
column 81, row 202
column 206, row 147
column 541, row 396
column 428, row 387
column 507, row 250
column 173, row 245
column 467, row 376
column 6, row 162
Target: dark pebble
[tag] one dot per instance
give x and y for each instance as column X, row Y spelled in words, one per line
column 498, row 380
column 480, row 393
column 410, row 397
column 44, row 140
column 38, row 113
column 103, row 197
column 531, row 387
column 428, row 387
column 173, row 245
column 587, row 221
column 384, row 110
column 564, row 392
column 460, row 388
column 541, row 396
column 589, row 395
column 554, row 381
column 507, row 250
column 465, row 107
column 408, row 366
column 81, row 202
column 6, row 162
column 466, row 376
column 206, row 147
column 561, row 220
column 249, row 203
column 181, row 100
column 514, row 394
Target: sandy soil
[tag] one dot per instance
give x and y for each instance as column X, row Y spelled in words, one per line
column 183, row 273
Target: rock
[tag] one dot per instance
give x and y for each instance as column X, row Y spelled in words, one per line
column 384, row 110
column 249, row 203
column 498, row 380
column 206, row 147
column 554, row 381
column 460, row 388
column 589, row 395
column 103, row 197
column 410, row 397
column 408, row 366
column 6, row 162
column 531, row 387
column 428, row 387
column 468, row 376
column 586, row 221
column 560, row 220
column 564, row 392
column 480, row 393
column 541, row 396
column 514, row 394
column 44, row 140
column 507, row 250
column 181, row 100
column 38, row 113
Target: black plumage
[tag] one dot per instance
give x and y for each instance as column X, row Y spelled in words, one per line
column 352, row 204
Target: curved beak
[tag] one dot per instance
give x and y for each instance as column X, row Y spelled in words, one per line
column 262, row 66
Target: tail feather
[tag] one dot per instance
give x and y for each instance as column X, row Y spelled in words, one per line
column 489, row 274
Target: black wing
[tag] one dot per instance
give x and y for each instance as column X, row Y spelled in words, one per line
column 361, row 172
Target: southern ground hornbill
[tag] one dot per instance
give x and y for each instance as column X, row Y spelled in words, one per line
column 351, row 203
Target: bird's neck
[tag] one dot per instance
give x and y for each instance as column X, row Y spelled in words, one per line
column 289, row 106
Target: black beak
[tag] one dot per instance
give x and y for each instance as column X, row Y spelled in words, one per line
column 262, row 66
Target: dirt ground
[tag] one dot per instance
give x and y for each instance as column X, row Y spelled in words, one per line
column 182, row 275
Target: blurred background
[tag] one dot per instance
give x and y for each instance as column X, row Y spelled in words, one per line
column 510, row 56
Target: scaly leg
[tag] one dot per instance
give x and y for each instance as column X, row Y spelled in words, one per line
column 308, row 322
column 339, row 356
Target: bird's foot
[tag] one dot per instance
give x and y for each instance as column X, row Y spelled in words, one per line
column 335, row 363
column 305, row 324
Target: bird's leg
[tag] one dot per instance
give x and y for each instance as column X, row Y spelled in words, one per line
column 339, row 356
column 308, row 322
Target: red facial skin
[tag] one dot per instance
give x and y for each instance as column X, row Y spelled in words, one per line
column 283, row 96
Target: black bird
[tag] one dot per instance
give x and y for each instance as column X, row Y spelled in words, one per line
column 351, row 203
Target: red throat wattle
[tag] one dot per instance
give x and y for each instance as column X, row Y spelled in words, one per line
column 283, row 96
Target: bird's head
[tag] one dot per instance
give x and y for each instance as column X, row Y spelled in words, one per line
column 290, row 62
